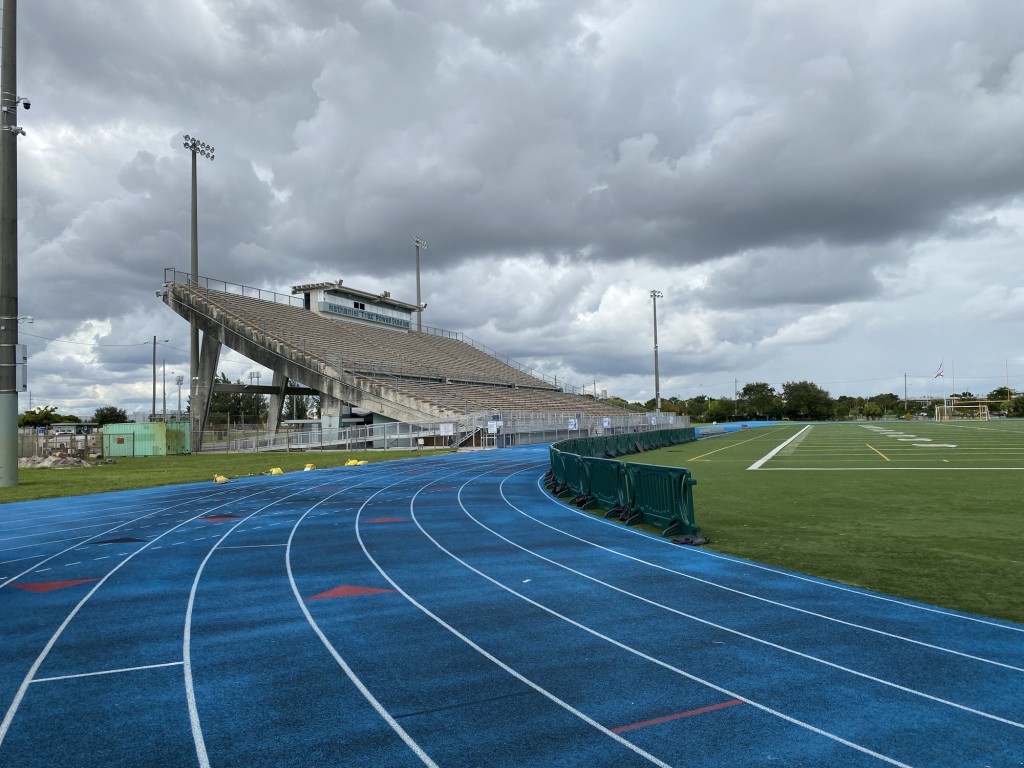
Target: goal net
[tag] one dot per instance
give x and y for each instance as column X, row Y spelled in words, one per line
column 960, row 410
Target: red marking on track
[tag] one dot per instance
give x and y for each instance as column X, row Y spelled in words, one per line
column 388, row 520
column 219, row 518
column 348, row 590
column 442, row 488
column 677, row 716
column 49, row 586
column 330, row 488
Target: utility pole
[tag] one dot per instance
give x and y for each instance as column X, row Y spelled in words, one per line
column 9, row 247
column 655, row 295
column 153, row 411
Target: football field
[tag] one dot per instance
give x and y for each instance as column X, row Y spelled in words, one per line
column 970, row 445
column 925, row 510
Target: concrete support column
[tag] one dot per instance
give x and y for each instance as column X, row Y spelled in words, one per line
column 202, row 393
column 280, row 383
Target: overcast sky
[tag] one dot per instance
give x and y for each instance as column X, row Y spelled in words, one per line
column 822, row 191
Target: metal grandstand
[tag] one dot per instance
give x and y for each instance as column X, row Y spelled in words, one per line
column 445, row 388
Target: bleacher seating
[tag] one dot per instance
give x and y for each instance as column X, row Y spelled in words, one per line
column 446, row 374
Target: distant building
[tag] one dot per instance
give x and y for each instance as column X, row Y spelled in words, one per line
column 377, row 309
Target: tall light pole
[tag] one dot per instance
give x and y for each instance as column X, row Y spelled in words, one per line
column 655, row 295
column 9, row 101
column 196, row 147
column 420, row 243
column 256, row 375
column 179, row 379
column 154, row 342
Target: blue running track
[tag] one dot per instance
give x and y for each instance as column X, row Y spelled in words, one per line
column 449, row 612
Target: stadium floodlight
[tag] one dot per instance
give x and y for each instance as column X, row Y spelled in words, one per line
column 420, row 306
column 196, row 147
column 655, row 295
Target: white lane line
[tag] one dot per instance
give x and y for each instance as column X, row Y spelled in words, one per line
column 629, row 649
column 699, row 552
column 780, row 604
column 771, row 454
column 490, row 657
column 722, row 627
column 349, row 672
column 162, row 510
column 186, row 650
column 19, row 695
column 107, row 672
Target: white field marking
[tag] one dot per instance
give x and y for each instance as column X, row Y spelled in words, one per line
column 722, row 627
column 892, row 469
column 771, row 454
column 81, row 515
column 30, row 675
column 108, row 672
column 699, row 552
column 349, row 672
column 80, row 510
column 186, row 646
column 91, row 538
column 622, row 646
column 491, row 657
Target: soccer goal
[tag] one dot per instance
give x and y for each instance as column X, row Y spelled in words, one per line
column 957, row 410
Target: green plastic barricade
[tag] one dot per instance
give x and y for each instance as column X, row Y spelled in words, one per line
column 658, row 496
column 574, row 473
column 664, row 497
column 605, row 488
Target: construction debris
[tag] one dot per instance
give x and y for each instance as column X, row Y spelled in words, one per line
column 52, row 462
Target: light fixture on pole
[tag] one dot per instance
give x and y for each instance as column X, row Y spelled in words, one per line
column 196, row 147
column 655, row 295
column 420, row 243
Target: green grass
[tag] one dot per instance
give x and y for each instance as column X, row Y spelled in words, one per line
column 940, row 525
column 131, row 473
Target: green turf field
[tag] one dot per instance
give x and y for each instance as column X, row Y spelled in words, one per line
column 131, row 473
column 924, row 510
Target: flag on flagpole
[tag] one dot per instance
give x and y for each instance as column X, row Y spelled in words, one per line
column 939, row 373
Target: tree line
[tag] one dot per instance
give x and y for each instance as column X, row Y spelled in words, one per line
column 806, row 401
column 225, row 408
column 798, row 400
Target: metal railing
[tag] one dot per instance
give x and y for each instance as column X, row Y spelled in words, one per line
column 484, row 429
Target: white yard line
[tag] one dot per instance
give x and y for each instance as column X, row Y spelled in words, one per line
column 764, row 459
